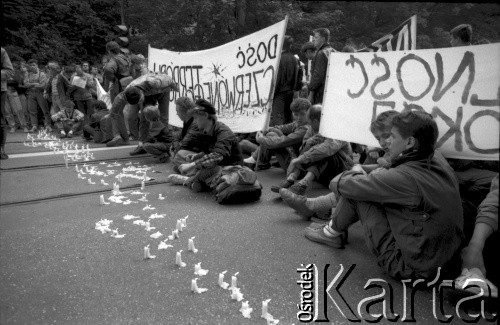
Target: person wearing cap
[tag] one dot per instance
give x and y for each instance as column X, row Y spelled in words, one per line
column 218, row 147
column 116, row 70
column 148, row 90
column 286, row 83
column 461, row 35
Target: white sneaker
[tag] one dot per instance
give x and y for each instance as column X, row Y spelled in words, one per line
column 177, row 179
column 250, row 160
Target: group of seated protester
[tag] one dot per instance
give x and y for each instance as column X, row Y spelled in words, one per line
column 408, row 199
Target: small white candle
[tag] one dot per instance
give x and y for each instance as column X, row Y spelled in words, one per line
column 66, row 161
column 178, row 259
column 146, row 252
column 221, row 278
column 265, row 303
column 76, row 168
column 191, row 245
column 178, row 226
column 194, row 285
column 184, row 221
column 234, row 280
column 142, row 186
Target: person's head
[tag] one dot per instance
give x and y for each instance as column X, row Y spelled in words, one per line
column 99, row 105
column 151, row 113
column 320, row 37
column 184, row 107
column 78, row 69
column 85, row 66
column 133, row 95
column 348, row 49
column 299, row 109
column 70, row 69
column 412, row 131
column 308, row 49
column 93, row 70
column 287, row 43
column 105, row 59
column 314, row 117
column 461, row 35
column 204, row 113
column 54, row 67
column 381, row 127
column 32, row 65
column 113, row 48
column 68, row 105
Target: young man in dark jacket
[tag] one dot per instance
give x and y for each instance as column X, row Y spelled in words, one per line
column 319, row 65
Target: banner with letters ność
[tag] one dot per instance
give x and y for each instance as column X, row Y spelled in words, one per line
column 459, row 86
column 237, row 78
column 404, row 37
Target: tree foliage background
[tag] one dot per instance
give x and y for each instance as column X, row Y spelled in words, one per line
column 75, row 30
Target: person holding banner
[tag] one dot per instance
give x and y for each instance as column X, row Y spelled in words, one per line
column 319, row 65
column 148, row 90
column 461, row 35
column 411, row 213
column 320, row 158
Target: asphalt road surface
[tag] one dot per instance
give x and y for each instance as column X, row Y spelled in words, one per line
column 56, row 268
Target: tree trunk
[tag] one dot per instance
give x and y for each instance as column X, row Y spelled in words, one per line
column 240, row 15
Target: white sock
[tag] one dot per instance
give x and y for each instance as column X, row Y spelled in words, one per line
column 330, row 232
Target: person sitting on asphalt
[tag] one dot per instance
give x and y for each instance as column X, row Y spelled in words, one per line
column 218, row 147
column 321, row 207
column 411, row 213
column 99, row 127
column 160, row 138
column 148, row 90
column 281, row 140
column 320, row 158
column 480, row 256
column 184, row 107
column 70, row 118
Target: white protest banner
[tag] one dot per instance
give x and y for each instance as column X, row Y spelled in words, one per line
column 237, row 78
column 404, row 37
column 459, row 86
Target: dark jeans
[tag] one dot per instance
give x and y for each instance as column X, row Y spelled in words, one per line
column 281, row 113
column 35, row 99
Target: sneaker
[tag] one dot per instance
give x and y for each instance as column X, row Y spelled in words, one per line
column 296, row 202
column 33, row 129
column 317, row 235
column 249, row 160
column 12, row 129
column 137, row 151
column 284, row 184
column 177, row 179
column 25, row 130
column 298, row 188
column 63, row 134
column 116, row 141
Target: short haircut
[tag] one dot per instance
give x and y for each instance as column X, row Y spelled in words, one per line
column 348, row 49
column 113, row 47
column 99, row 105
column 421, row 126
column 383, row 121
column 133, row 95
column 287, row 42
column 315, row 112
column 307, row 46
column 300, row 104
column 70, row 69
column 323, row 32
column 53, row 65
column 30, row 61
column 83, row 62
column 462, row 32
column 184, row 103
column 151, row 113
column 68, row 104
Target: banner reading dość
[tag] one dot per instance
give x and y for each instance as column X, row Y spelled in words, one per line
column 237, row 77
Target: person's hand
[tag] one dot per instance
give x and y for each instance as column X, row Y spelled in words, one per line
column 190, row 157
column 472, row 256
column 293, row 165
column 357, row 168
column 382, row 162
column 186, row 168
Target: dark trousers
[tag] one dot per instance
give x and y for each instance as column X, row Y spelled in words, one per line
column 35, row 99
column 281, row 113
column 3, row 130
